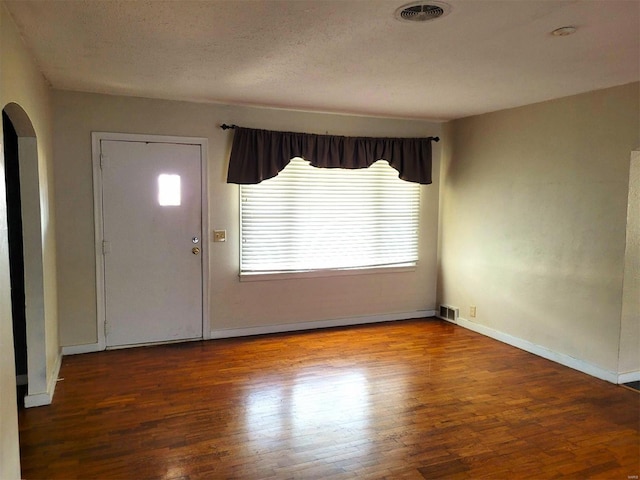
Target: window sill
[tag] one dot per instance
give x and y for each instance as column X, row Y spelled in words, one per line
column 258, row 277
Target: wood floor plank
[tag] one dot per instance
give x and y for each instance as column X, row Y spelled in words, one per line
column 402, row 400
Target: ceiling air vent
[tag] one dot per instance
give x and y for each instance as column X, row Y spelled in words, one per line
column 421, row 11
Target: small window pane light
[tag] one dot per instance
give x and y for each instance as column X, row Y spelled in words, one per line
column 168, row 190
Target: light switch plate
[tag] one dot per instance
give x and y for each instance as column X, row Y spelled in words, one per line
column 219, row 235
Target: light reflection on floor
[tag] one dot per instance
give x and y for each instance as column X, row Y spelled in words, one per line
column 334, row 404
column 323, row 402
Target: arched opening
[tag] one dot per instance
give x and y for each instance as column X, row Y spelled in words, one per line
column 25, row 250
column 16, row 257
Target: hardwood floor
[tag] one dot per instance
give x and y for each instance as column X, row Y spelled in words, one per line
column 402, row 400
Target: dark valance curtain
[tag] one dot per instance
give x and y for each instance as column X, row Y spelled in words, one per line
column 258, row 155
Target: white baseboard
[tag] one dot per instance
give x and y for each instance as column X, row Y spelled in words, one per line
column 77, row 349
column 337, row 322
column 561, row 358
column 37, row 400
column 45, row 398
column 629, row 377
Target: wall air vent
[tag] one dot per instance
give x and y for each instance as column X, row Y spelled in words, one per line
column 421, row 11
column 448, row 313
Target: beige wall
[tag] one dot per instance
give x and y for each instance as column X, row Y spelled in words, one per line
column 232, row 304
column 534, row 207
column 22, row 84
column 9, row 453
column 9, row 449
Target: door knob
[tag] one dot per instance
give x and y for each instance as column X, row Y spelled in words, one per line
column 195, row 250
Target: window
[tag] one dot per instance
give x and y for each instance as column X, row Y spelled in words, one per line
column 309, row 218
column 169, row 190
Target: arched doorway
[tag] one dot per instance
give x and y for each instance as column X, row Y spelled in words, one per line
column 16, row 257
column 26, row 259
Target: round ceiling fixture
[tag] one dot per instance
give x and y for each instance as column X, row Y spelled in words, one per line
column 564, row 31
column 422, row 11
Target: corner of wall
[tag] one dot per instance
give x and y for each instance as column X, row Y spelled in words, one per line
column 446, row 157
column 629, row 351
column 46, row 397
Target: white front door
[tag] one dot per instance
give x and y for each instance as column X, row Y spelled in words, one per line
column 151, row 209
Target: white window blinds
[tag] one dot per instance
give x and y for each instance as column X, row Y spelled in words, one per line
column 309, row 218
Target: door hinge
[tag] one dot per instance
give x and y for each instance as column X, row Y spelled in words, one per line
column 101, row 161
column 106, row 247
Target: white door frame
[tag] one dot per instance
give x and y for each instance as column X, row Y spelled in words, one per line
column 96, row 137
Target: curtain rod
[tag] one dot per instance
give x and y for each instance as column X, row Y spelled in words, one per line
column 224, row 126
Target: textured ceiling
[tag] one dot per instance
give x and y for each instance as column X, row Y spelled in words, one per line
column 346, row 56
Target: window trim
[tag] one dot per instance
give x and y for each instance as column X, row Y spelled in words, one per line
column 327, row 272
